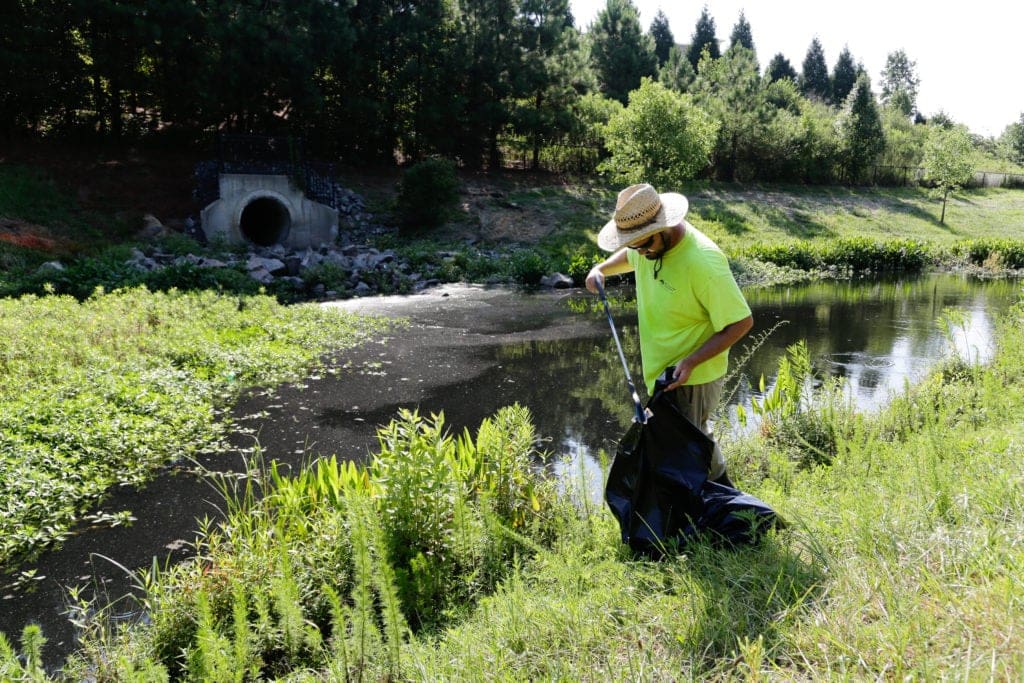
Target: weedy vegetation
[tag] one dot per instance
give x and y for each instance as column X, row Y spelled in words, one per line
column 454, row 558
column 104, row 392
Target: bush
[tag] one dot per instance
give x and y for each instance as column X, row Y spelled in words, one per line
column 428, row 191
column 854, row 255
column 1009, row 252
column 528, row 267
column 662, row 138
column 581, row 262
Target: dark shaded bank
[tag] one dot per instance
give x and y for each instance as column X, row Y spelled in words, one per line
column 446, row 359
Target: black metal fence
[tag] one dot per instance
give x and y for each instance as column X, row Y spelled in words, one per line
column 267, row 155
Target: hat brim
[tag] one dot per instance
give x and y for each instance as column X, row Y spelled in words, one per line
column 673, row 211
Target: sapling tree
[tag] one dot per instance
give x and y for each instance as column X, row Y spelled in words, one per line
column 947, row 161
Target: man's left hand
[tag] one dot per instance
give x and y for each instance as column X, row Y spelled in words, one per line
column 680, row 375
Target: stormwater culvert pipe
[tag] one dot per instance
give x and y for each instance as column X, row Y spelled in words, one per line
column 267, row 210
column 265, row 221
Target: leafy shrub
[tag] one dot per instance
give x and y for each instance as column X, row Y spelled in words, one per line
column 662, row 137
column 190, row 277
column 528, row 267
column 355, row 555
column 854, row 255
column 428, row 191
column 580, row 263
column 331, row 275
column 805, row 421
column 789, row 255
column 977, row 252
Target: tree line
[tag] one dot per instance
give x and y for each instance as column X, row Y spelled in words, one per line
column 372, row 82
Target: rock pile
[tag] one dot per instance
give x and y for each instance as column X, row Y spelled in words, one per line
column 353, row 267
column 368, row 269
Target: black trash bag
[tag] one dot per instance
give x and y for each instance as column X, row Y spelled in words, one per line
column 732, row 517
column 658, row 487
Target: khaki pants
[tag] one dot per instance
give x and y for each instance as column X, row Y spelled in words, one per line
column 697, row 402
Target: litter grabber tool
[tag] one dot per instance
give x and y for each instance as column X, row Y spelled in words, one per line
column 641, row 414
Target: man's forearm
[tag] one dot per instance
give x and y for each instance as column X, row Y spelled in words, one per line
column 714, row 345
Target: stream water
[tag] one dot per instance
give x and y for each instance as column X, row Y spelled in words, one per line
column 467, row 351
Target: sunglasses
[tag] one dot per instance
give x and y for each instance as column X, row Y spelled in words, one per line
column 645, row 245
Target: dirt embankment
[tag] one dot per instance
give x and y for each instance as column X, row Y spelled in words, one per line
column 131, row 184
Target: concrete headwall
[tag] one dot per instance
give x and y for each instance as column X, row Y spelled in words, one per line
column 267, row 210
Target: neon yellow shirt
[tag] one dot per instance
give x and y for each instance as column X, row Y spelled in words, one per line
column 693, row 297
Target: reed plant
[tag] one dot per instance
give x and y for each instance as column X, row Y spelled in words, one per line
column 342, row 566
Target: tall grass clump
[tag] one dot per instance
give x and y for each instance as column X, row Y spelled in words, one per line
column 339, row 566
column 105, row 391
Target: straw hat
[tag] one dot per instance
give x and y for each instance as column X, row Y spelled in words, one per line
column 641, row 211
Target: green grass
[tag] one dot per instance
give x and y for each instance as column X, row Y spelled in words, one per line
column 28, row 194
column 902, row 560
column 105, row 391
column 771, row 214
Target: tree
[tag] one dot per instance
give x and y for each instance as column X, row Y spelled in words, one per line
column 904, row 142
column 947, row 161
column 44, row 77
column 1012, row 140
column 664, row 41
column 814, row 81
column 620, row 52
column 861, row 135
column 661, row 137
column 250, row 67
column 703, row 37
column 742, row 37
column 548, row 72
column 676, row 74
column 844, row 76
column 900, row 83
column 491, row 55
column 780, row 68
column 730, row 88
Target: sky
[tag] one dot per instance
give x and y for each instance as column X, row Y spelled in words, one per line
column 969, row 57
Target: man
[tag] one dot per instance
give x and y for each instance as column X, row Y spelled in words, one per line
column 689, row 306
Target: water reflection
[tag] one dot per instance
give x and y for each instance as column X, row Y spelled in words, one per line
column 875, row 336
column 878, row 336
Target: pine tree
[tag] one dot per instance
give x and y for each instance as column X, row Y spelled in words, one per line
column 664, row 41
column 732, row 90
column 741, row 35
column 620, row 52
column 844, row 76
column 861, row 135
column 703, row 37
column 491, row 56
column 780, row 68
column 548, row 73
column 676, row 73
column 814, row 79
